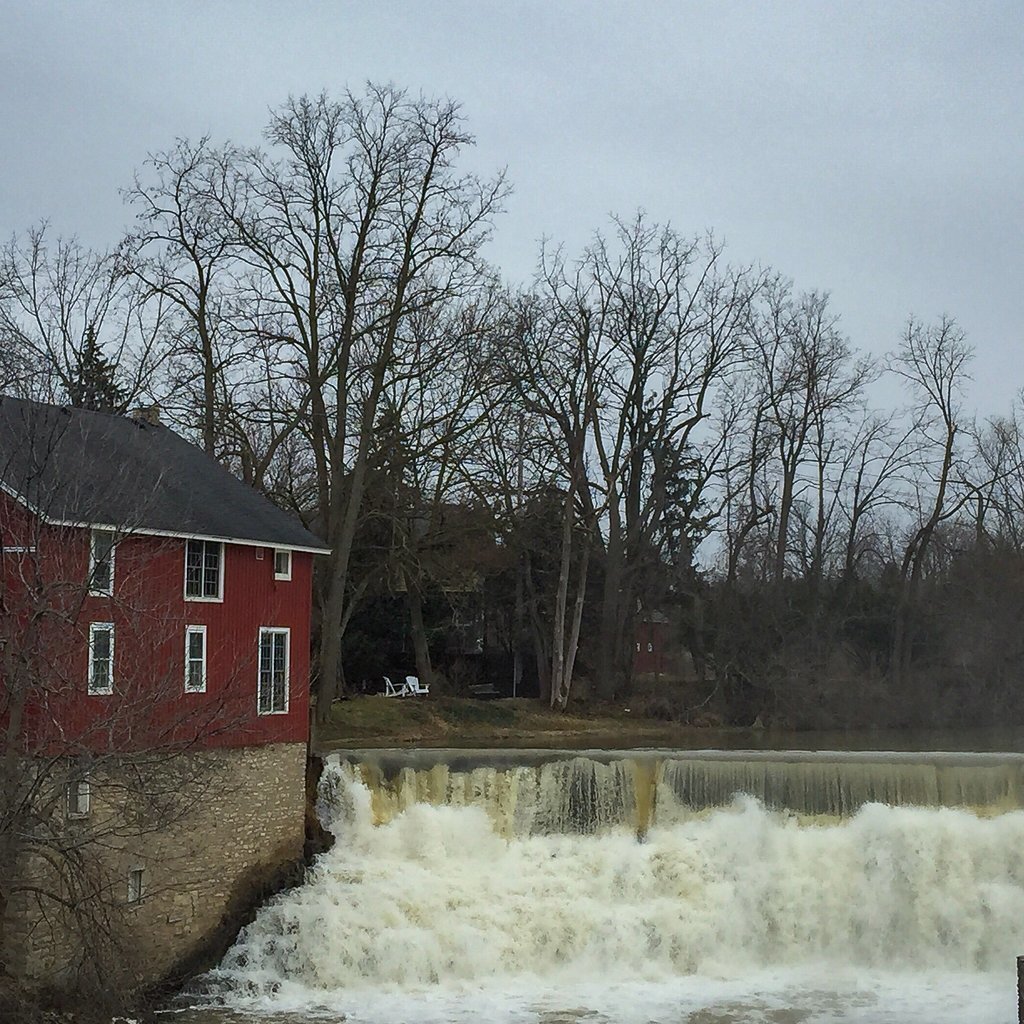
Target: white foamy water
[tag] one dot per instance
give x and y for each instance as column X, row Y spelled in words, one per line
column 464, row 911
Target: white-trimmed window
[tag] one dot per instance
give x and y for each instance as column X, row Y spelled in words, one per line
column 79, row 797
column 273, row 674
column 136, row 885
column 204, row 570
column 282, row 564
column 101, row 657
column 101, row 563
column 195, row 659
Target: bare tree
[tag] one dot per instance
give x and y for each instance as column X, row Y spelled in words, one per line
column 874, row 464
column 746, row 450
column 809, row 380
column 425, row 509
column 998, row 496
column 659, row 325
column 60, row 299
column 361, row 222
column 934, row 362
column 558, row 387
column 181, row 253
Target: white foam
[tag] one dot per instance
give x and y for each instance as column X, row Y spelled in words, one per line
column 893, row 914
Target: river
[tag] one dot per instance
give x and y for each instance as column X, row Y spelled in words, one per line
column 654, row 886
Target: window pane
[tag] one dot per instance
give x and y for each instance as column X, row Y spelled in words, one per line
column 102, row 547
column 267, row 696
column 100, row 676
column 194, row 568
column 211, row 570
column 195, row 644
column 100, row 644
column 278, row 697
column 266, row 657
column 100, row 582
column 280, row 670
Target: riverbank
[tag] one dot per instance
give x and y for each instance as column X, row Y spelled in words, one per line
column 515, row 722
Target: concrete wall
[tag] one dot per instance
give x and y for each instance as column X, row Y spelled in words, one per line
column 209, row 830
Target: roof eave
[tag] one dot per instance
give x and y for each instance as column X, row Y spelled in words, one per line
column 146, row 531
column 253, row 542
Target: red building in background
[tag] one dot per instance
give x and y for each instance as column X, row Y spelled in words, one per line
column 652, row 645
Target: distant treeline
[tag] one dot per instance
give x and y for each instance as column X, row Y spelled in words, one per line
column 510, row 481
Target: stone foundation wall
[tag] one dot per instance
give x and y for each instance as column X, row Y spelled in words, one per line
column 209, row 831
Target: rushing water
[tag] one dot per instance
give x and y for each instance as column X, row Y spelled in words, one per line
column 652, row 887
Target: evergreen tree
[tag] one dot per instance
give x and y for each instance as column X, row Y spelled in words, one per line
column 94, row 385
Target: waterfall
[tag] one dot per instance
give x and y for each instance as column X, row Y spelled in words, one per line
column 643, row 869
column 545, row 793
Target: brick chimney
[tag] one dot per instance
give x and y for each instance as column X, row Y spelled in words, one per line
column 147, row 414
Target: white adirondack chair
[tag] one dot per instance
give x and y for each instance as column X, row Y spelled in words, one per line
column 391, row 690
column 415, row 688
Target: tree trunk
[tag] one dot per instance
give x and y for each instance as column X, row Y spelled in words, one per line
column 561, row 598
column 518, row 629
column 539, row 632
column 782, row 541
column 574, row 637
column 913, row 564
column 609, row 660
column 421, row 649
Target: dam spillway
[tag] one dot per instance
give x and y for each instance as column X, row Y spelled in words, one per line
column 469, row 885
column 530, row 792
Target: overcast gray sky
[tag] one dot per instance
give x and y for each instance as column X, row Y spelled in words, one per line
column 874, row 150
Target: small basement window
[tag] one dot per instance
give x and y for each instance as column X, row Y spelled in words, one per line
column 282, row 564
column 195, row 659
column 101, row 563
column 79, row 797
column 204, row 576
column 135, row 885
column 101, row 657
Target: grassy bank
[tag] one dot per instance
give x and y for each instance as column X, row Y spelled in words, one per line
column 459, row 722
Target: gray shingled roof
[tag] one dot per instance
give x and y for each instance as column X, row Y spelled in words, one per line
column 81, row 467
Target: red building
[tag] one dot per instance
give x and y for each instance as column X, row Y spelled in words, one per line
column 154, row 665
column 652, row 654
column 181, row 590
